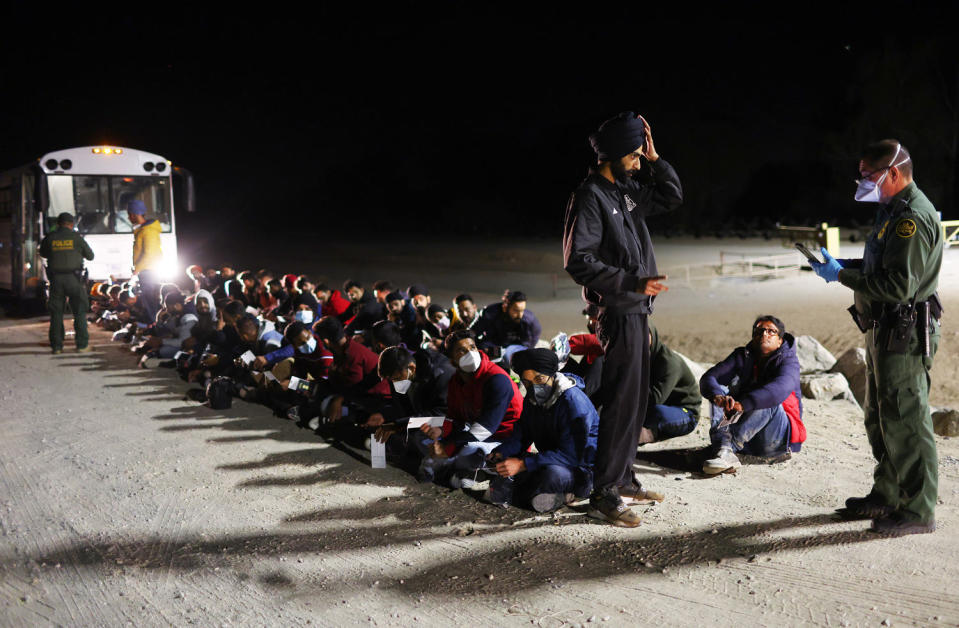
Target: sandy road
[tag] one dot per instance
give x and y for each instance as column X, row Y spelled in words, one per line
column 120, row 502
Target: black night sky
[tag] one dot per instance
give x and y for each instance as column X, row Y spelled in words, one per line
column 475, row 122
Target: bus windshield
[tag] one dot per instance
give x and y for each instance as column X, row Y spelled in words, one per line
column 99, row 202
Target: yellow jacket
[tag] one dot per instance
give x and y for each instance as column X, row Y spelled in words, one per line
column 147, row 253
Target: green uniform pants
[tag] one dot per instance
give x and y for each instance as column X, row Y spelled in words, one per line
column 65, row 286
column 899, row 427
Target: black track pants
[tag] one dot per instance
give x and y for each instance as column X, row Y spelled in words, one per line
column 623, row 394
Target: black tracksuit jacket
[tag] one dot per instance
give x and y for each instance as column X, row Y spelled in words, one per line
column 606, row 244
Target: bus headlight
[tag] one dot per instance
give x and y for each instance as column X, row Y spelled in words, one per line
column 169, row 269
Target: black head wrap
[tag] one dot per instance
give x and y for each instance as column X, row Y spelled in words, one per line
column 618, row 137
column 396, row 295
column 305, row 298
column 540, row 360
column 418, row 288
column 173, row 297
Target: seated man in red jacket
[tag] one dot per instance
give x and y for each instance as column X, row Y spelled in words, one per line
column 483, row 403
column 353, row 384
column 756, row 390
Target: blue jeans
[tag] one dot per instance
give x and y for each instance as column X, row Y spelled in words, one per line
column 508, row 353
column 149, row 293
column 761, row 432
column 670, row 421
column 166, row 352
column 523, row 487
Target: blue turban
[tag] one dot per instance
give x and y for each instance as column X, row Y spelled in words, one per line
column 618, row 137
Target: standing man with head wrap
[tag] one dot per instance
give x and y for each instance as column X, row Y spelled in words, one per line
column 608, row 251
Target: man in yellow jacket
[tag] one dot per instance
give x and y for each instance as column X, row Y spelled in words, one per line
column 147, row 255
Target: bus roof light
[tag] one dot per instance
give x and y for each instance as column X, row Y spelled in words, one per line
column 51, row 164
column 96, row 151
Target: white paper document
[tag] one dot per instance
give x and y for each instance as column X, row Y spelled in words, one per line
column 247, row 358
column 377, row 454
column 416, row 422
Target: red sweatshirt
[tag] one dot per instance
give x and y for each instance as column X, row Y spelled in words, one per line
column 484, row 407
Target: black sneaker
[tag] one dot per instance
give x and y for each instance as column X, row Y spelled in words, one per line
column 895, row 524
column 867, row 507
column 609, row 507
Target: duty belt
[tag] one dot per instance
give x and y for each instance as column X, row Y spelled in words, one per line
column 897, row 320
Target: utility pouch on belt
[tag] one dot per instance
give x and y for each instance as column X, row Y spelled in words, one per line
column 857, row 318
column 935, row 306
column 896, row 330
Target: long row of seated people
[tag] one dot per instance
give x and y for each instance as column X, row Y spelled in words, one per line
column 440, row 389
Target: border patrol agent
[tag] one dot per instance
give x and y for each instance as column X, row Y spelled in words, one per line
column 897, row 307
column 65, row 250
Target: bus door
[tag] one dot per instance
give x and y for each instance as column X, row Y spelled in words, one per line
column 30, row 236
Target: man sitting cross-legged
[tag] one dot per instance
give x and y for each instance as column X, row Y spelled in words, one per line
column 560, row 420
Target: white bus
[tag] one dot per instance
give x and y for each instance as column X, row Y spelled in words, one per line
column 94, row 184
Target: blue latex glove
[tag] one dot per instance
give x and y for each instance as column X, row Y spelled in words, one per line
column 828, row 270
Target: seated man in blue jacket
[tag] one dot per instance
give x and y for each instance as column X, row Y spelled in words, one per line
column 757, row 389
column 507, row 327
column 561, row 421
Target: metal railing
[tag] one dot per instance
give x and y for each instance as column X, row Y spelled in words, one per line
column 735, row 265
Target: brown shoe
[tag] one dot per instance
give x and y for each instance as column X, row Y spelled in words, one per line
column 85, row 349
column 635, row 494
column 646, row 436
column 610, row 507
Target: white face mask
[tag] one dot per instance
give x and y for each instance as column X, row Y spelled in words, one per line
column 402, row 386
column 309, row 346
column 868, row 191
column 443, row 323
column 471, row 361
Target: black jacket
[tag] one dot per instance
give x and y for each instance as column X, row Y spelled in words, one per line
column 606, row 245
column 366, row 312
column 427, row 395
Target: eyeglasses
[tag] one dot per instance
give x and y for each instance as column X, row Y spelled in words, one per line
column 765, row 331
column 868, row 177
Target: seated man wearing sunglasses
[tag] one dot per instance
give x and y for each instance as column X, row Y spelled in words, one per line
column 757, row 405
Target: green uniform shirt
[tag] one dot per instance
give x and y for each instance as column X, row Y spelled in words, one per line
column 902, row 257
column 65, row 250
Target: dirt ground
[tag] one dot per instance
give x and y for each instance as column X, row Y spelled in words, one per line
column 123, row 503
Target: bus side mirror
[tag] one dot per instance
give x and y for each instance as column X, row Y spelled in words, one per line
column 183, row 189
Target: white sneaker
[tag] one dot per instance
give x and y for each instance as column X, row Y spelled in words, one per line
column 724, row 461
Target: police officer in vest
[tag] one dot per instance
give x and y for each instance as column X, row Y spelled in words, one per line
column 897, row 307
column 65, row 250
